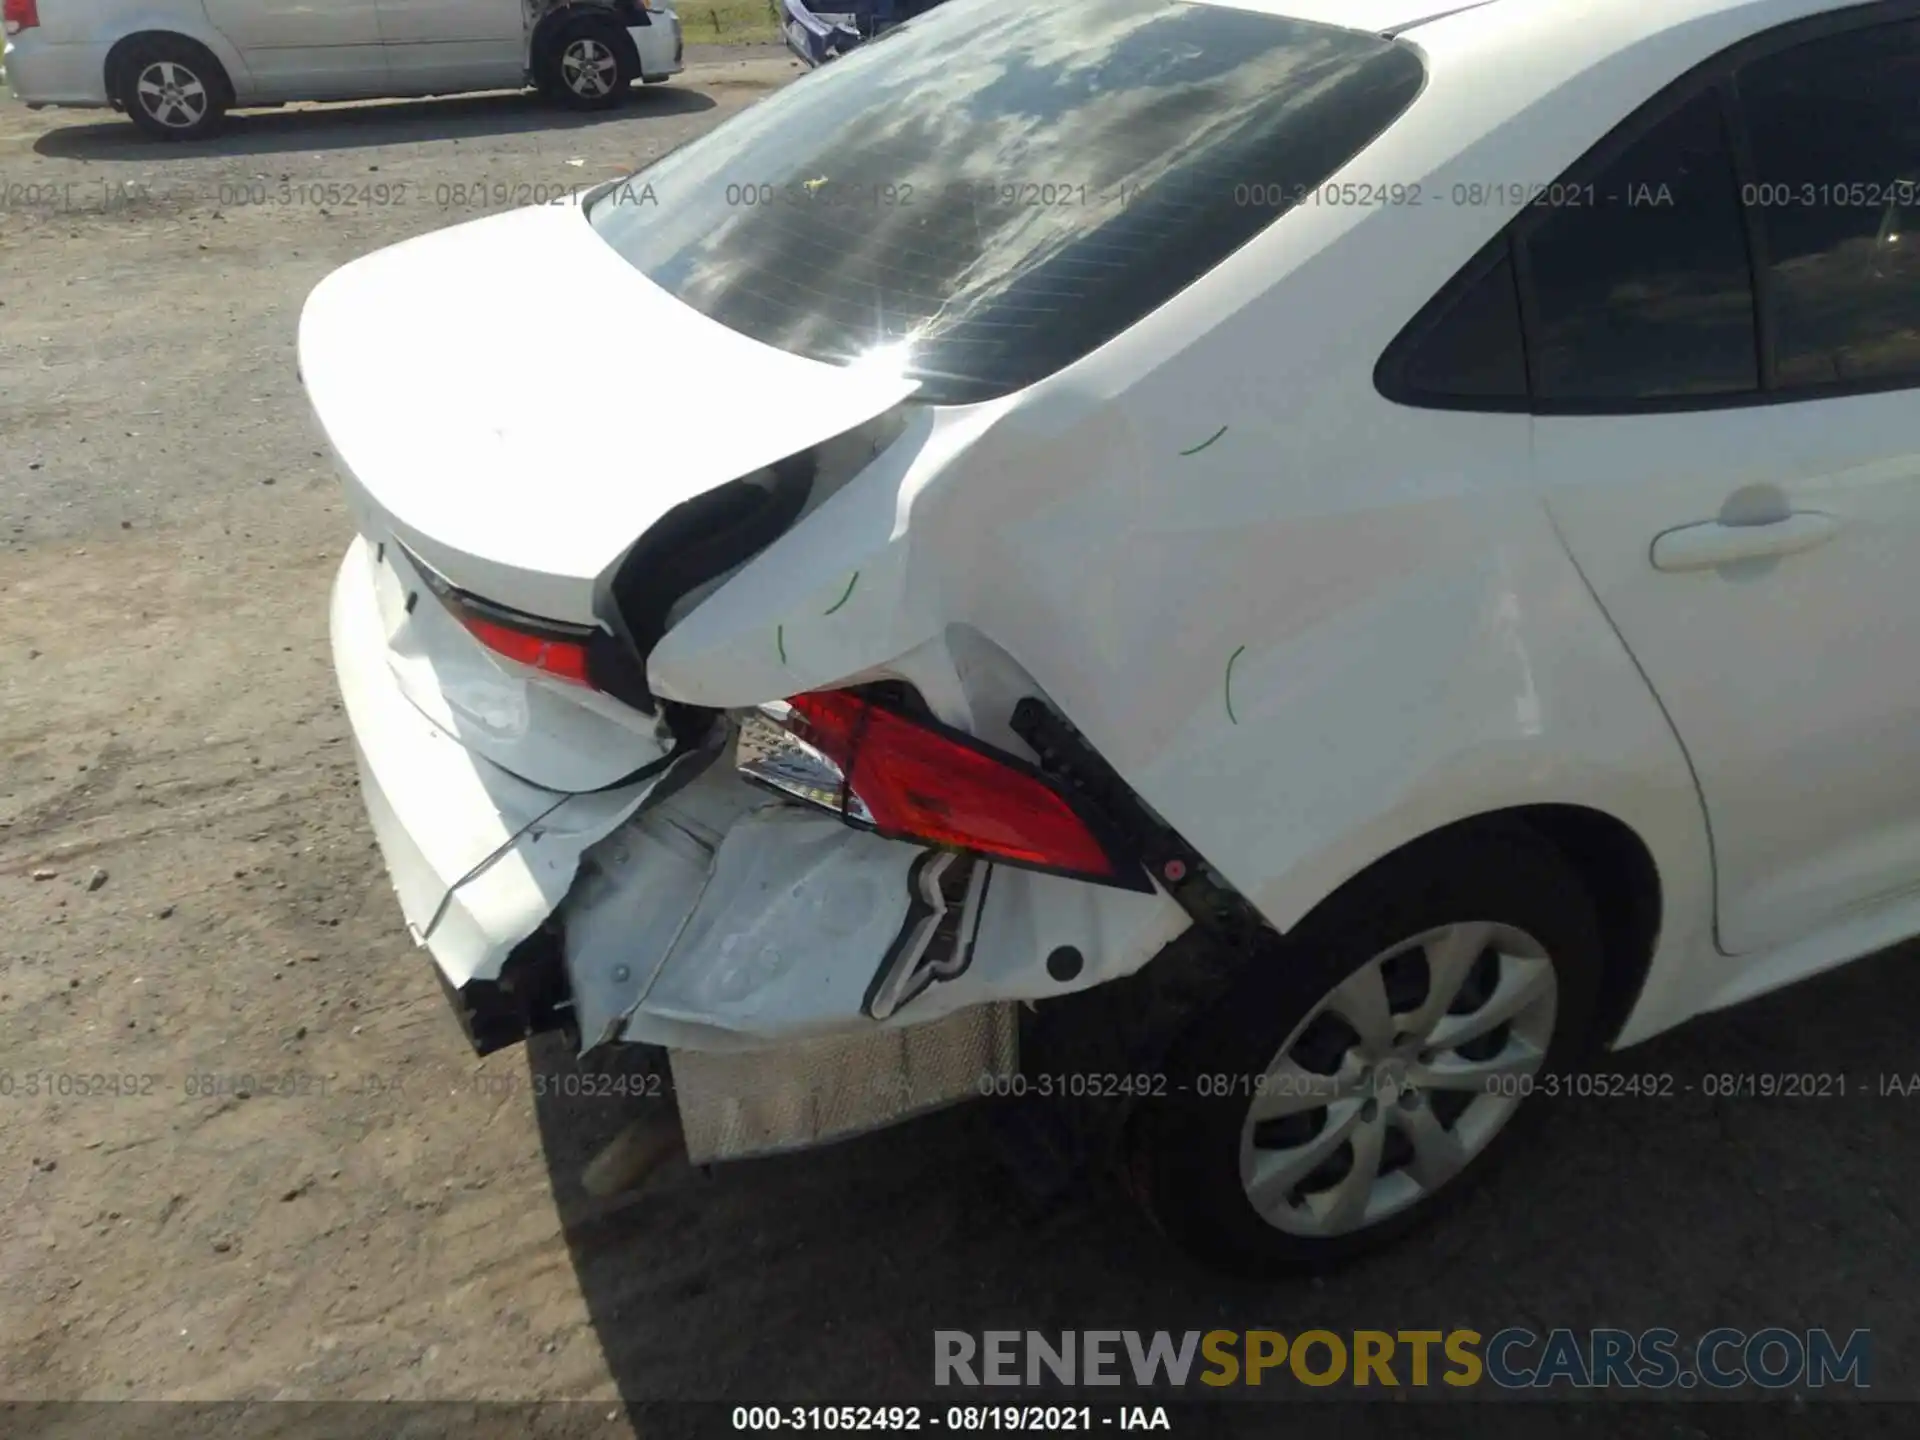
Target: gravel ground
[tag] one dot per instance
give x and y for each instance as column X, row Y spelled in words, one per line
column 192, row 896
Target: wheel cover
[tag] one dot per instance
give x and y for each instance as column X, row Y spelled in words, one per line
column 1397, row 1079
column 172, row 95
column 588, row 68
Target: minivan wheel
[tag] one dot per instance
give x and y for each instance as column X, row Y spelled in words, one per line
column 590, row 65
column 172, row 88
column 1367, row 1078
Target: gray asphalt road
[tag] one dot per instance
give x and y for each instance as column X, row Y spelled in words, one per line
column 148, row 407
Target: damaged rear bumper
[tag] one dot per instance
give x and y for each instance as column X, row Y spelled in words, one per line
column 753, row 940
column 478, row 857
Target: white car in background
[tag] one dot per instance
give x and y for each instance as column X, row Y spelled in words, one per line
column 1293, row 572
column 176, row 66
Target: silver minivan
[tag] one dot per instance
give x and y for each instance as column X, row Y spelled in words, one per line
column 176, row 66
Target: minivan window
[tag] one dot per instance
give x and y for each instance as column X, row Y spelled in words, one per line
column 1643, row 290
column 1835, row 132
column 995, row 190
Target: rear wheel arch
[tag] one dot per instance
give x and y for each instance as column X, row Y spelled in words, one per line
column 1610, row 859
column 127, row 46
column 1607, row 856
column 1141, row 1013
column 1620, row 873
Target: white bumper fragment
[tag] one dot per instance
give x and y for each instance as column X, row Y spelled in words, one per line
column 478, row 857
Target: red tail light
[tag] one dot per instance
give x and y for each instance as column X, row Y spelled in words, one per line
column 21, row 15
column 563, row 657
column 916, row 780
column 552, row 646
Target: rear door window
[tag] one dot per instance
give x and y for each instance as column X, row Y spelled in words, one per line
column 995, row 190
column 1834, row 126
column 1645, row 291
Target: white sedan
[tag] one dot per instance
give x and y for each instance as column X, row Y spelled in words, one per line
column 1270, row 578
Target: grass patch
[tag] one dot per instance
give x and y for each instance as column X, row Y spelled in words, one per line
column 728, row 22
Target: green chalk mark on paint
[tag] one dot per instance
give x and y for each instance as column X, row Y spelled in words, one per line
column 1206, row 442
column 848, row 595
column 1229, row 685
column 780, row 639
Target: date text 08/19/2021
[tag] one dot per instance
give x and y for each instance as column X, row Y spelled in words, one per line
column 960, row 1419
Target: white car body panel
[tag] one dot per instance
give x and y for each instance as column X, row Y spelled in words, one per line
column 432, row 400
column 1307, row 625
column 1795, row 682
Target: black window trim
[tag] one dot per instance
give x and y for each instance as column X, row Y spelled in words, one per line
column 1716, row 75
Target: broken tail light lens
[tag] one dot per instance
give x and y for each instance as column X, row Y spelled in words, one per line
column 917, row 780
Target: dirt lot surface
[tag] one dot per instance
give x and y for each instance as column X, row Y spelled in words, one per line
column 193, row 905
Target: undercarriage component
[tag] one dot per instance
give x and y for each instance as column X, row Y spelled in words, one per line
column 1126, row 1027
column 763, row 1102
column 528, row 998
column 636, row 1154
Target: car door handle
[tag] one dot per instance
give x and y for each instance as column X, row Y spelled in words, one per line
column 1711, row 545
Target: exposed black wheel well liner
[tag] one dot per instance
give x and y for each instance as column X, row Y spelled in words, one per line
column 117, row 56
column 1618, row 870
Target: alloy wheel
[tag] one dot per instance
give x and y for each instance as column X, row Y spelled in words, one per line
column 589, row 68
column 1398, row 1078
column 172, row 95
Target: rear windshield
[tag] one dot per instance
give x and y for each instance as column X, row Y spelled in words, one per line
column 994, row 189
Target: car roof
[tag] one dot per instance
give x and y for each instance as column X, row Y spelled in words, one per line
column 1399, row 16
column 1377, row 16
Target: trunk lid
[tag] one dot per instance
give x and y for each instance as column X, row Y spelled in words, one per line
column 512, row 407
column 518, row 405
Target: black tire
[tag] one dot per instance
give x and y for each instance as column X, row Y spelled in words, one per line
column 1186, row 1149
column 588, row 64
column 172, row 87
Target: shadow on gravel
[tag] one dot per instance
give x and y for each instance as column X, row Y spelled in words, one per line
column 385, row 122
column 822, row 1277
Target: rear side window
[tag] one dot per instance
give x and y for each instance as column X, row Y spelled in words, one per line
column 1834, row 126
column 1758, row 237
column 1465, row 350
column 1645, row 291
column 995, row 190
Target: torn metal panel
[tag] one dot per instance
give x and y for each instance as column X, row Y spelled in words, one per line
column 739, row 1105
column 637, row 890
column 936, row 943
column 798, row 914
